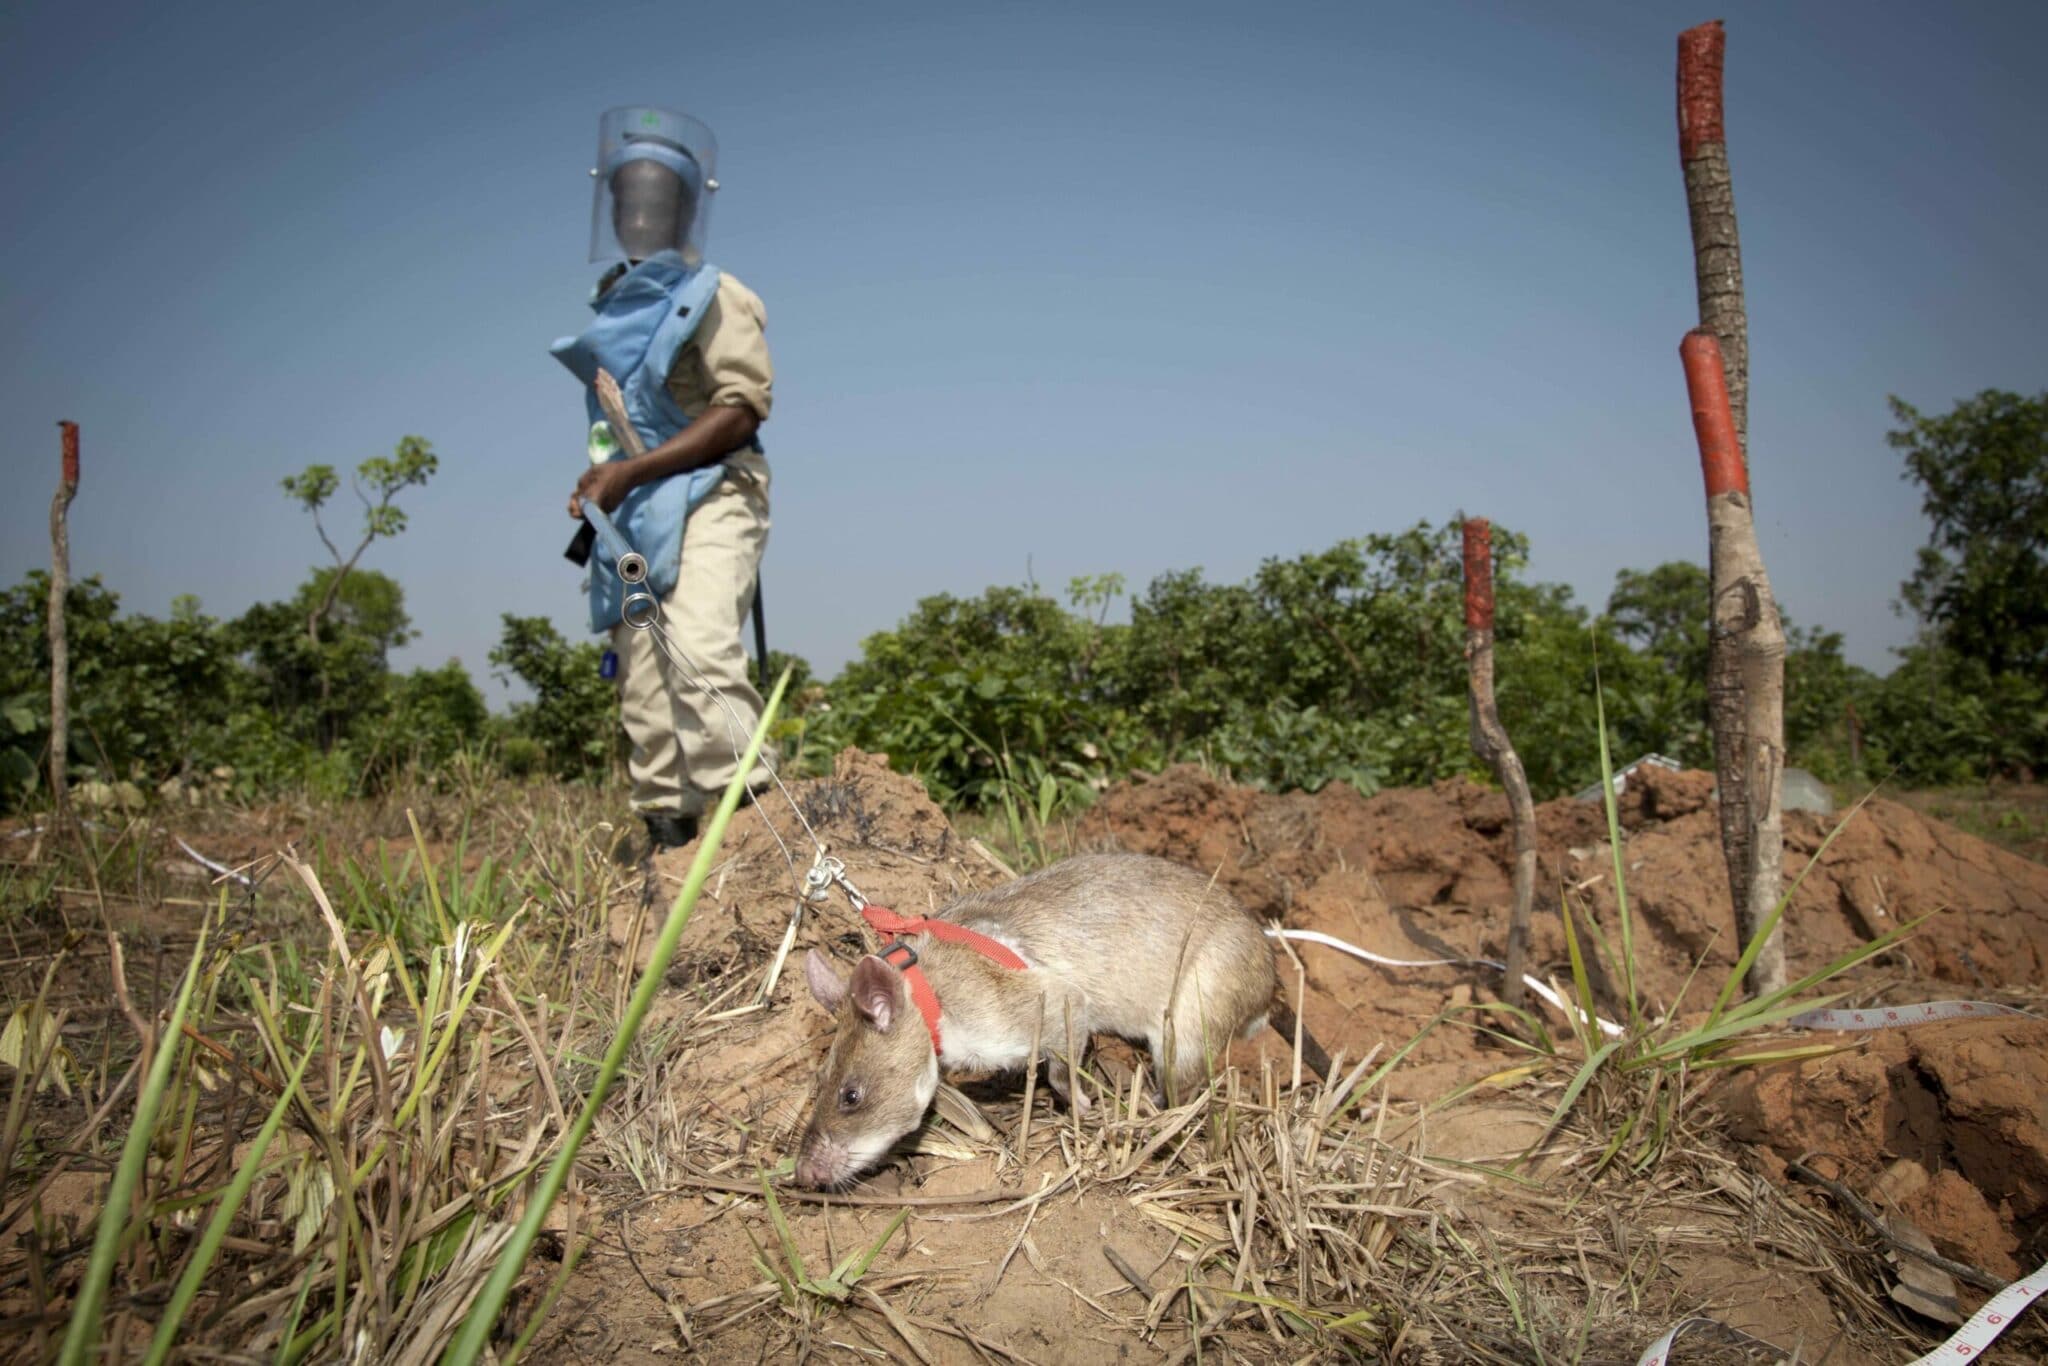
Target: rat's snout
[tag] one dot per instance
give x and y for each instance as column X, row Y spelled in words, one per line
column 817, row 1169
column 821, row 1161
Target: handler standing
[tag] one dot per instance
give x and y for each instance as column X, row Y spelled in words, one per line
column 685, row 343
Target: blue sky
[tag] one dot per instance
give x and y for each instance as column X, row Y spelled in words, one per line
column 1057, row 290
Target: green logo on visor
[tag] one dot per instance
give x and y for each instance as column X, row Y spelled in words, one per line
column 650, row 119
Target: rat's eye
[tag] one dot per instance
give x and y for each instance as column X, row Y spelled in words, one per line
column 849, row 1096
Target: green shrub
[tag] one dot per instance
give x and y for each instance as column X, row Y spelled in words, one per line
column 573, row 717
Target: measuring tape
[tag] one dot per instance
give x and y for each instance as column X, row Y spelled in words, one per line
column 1872, row 1017
column 1897, row 1017
column 1968, row 1342
column 1987, row 1323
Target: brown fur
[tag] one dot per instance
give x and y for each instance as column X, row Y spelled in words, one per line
column 1118, row 944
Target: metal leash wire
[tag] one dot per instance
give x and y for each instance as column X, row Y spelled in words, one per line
column 825, row 870
column 642, row 611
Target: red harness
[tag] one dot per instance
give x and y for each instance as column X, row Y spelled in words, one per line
column 898, row 953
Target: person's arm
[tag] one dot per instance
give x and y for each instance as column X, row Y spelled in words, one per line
column 711, row 438
column 726, row 368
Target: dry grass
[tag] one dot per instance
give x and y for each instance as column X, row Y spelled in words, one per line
column 427, row 1002
column 1310, row 1224
column 439, row 1072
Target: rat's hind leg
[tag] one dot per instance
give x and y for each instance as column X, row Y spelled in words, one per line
column 1061, row 1078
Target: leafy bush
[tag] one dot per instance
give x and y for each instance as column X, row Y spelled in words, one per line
column 1347, row 664
column 964, row 681
column 148, row 698
column 428, row 717
column 1340, row 665
column 1981, row 581
column 323, row 686
column 572, row 723
column 1941, row 717
column 235, row 703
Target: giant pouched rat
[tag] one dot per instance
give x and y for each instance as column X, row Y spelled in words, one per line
column 1117, row 943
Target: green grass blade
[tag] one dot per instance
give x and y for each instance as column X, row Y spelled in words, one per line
column 782, row 1233
column 291, row 1323
column 1584, row 1024
column 469, row 1345
column 1379, row 1074
column 427, row 876
column 556, row 1286
column 1628, row 942
column 1849, row 959
column 1614, row 1144
column 1705, row 1035
column 1529, row 1020
column 1587, row 1071
column 855, row 1264
column 83, row 1331
column 1774, row 1055
column 223, row 1215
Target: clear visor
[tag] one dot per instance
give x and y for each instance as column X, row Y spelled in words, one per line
column 654, row 180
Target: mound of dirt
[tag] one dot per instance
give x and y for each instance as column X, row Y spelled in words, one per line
column 1956, row 1116
column 1945, row 1124
column 1424, row 873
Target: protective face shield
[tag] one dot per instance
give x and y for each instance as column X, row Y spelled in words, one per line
column 654, row 177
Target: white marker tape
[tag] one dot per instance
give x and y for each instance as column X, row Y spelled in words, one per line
column 1967, row 1344
column 206, row 862
column 1897, row 1017
column 1328, row 941
column 1660, row 1350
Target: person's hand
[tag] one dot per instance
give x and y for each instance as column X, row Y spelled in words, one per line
column 605, row 485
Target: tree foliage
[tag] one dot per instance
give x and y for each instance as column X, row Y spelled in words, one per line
column 1982, row 578
column 377, row 483
column 320, row 686
column 200, row 700
column 571, row 726
column 1968, row 698
column 148, row 698
column 1344, row 664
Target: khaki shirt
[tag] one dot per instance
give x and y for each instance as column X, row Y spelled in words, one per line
column 725, row 362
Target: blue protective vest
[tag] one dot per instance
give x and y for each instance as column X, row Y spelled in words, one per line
column 642, row 322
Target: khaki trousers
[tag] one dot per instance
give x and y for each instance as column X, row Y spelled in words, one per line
column 686, row 744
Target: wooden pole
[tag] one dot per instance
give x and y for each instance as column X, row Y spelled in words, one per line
column 1745, row 668
column 60, row 648
column 1490, row 742
column 1710, row 201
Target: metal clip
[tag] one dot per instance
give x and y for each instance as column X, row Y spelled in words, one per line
column 825, row 870
column 639, row 610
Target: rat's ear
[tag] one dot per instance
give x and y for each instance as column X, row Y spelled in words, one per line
column 877, row 991
column 825, row 983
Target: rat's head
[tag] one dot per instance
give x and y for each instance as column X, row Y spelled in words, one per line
column 879, row 1079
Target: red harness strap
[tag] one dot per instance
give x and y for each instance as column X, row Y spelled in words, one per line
column 886, row 921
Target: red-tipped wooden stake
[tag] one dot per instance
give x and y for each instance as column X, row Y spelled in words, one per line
column 1745, row 668
column 60, row 648
column 1710, row 201
column 1490, row 742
